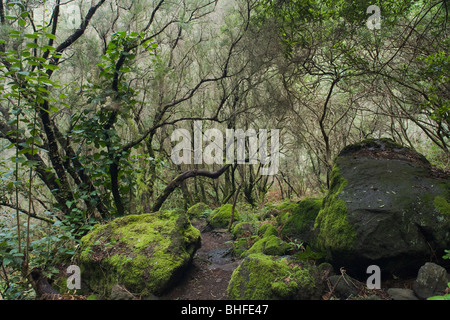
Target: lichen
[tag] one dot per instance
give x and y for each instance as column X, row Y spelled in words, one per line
column 334, row 229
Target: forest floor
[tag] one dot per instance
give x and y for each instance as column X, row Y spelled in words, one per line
column 211, row 269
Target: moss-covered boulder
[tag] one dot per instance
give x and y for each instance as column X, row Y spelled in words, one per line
column 145, row 253
column 197, row 210
column 267, row 229
column 270, row 245
column 244, row 229
column 386, row 206
column 300, row 223
column 220, row 217
column 264, row 277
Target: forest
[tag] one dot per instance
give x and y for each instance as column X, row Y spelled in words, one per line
column 120, row 116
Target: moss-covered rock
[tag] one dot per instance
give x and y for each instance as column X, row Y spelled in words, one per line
column 241, row 245
column 196, row 211
column 144, row 253
column 274, row 211
column 244, row 229
column 386, row 206
column 335, row 231
column 220, row 217
column 442, row 205
column 286, row 206
column 300, row 224
column 270, row 245
column 263, row 277
column 267, row 229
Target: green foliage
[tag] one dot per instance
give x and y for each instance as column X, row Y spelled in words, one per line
column 50, row 245
column 436, row 70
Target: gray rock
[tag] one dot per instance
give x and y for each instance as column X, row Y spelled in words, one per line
column 120, row 293
column 389, row 206
column 431, row 281
column 373, row 297
column 402, row 294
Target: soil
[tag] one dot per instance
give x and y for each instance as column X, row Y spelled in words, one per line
column 211, row 269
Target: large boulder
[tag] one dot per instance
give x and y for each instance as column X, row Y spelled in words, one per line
column 145, row 254
column 386, row 206
column 263, row 277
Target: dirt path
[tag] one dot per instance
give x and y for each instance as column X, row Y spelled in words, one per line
column 208, row 277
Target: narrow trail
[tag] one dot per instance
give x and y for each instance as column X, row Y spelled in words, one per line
column 211, row 269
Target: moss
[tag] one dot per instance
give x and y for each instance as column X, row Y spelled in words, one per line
column 286, row 206
column 243, row 229
column 302, row 219
column 275, row 246
column 142, row 252
column 334, row 229
column 196, row 211
column 262, row 277
column 222, row 215
column 267, row 227
column 240, row 246
column 282, row 218
column 442, row 205
column 269, row 244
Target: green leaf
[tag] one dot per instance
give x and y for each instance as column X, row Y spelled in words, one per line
column 32, row 36
column 6, row 261
column 22, row 23
column 48, row 48
column 50, row 36
column 32, row 45
column 51, row 67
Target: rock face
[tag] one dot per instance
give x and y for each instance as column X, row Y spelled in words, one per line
column 263, row 277
column 385, row 206
column 145, row 254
